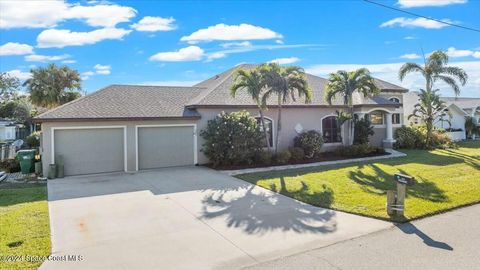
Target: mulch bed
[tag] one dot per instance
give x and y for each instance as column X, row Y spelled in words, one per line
column 326, row 156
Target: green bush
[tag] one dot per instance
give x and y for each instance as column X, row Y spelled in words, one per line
column 297, row 154
column 358, row 150
column 283, row 157
column 232, row 139
column 311, row 142
column 33, row 140
column 363, row 129
column 10, row 165
column 409, row 137
column 264, row 157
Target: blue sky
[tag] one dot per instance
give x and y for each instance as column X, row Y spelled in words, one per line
column 181, row 43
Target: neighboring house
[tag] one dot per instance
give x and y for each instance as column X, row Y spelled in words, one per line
column 7, row 129
column 455, row 112
column 132, row 127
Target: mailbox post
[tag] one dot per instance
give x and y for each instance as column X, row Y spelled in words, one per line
column 396, row 198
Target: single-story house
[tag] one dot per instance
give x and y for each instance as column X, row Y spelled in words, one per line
column 133, row 127
column 457, row 108
column 7, row 129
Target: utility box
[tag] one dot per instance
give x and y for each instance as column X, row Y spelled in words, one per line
column 26, row 159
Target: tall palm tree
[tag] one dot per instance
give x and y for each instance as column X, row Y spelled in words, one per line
column 286, row 83
column 344, row 84
column 252, row 82
column 435, row 69
column 52, row 86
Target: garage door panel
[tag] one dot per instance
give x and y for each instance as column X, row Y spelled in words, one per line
column 165, row 147
column 89, row 151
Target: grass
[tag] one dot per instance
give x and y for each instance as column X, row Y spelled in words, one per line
column 446, row 179
column 24, row 225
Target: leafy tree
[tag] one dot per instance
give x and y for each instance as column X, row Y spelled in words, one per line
column 344, row 84
column 363, row 129
column 285, row 83
column 52, row 86
column 18, row 110
column 252, row 82
column 435, row 69
column 9, row 87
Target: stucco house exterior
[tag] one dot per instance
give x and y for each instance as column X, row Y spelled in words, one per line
column 131, row 127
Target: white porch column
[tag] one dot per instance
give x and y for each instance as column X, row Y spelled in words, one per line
column 360, row 115
column 389, row 141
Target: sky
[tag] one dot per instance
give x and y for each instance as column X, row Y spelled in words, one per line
column 184, row 42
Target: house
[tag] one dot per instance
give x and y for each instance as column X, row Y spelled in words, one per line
column 7, row 130
column 457, row 108
column 132, row 127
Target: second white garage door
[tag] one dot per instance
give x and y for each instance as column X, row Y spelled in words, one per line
column 165, row 146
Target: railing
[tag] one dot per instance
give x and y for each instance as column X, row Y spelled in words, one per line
column 7, row 151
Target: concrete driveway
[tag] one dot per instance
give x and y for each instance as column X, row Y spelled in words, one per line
column 184, row 218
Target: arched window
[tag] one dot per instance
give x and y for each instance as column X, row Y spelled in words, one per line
column 394, row 99
column 269, row 125
column 331, row 130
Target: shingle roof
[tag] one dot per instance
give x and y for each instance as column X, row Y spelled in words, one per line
column 217, row 92
column 464, row 103
column 128, row 101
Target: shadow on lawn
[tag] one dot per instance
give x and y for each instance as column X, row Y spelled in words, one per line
column 258, row 211
column 12, row 194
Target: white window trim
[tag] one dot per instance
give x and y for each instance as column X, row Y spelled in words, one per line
column 399, row 100
column 195, row 154
column 52, row 142
column 273, row 130
column 321, row 131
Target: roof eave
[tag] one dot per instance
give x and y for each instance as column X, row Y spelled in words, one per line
column 42, row 120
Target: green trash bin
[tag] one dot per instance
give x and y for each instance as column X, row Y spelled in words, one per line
column 26, row 159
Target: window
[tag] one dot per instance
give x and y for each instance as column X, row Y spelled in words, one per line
column 331, row 130
column 269, row 125
column 376, row 118
column 394, row 99
column 396, row 118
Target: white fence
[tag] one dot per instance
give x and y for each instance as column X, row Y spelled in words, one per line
column 7, row 152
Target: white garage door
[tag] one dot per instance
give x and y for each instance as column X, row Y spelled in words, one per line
column 165, row 146
column 89, row 151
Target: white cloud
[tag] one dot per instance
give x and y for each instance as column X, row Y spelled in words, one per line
column 428, row 3
column 418, row 22
column 153, row 24
column 69, row 61
column 285, row 61
column 476, row 54
column 45, row 14
column 279, row 41
column 452, row 52
column 190, row 53
column 236, row 44
column 14, row 48
column 413, row 81
column 231, row 32
column 19, row 74
column 216, row 55
column 86, row 75
column 61, row 38
column 45, row 58
column 102, row 69
column 410, row 56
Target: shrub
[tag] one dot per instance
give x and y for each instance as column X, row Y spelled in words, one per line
column 358, row 150
column 297, row 153
column 409, row 137
column 33, row 140
column 283, row 157
column 10, row 165
column 363, row 129
column 440, row 139
column 311, row 142
column 232, row 139
column 264, row 157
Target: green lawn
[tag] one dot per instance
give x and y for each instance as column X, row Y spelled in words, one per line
column 24, row 225
column 445, row 179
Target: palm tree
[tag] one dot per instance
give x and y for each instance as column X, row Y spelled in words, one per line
column 344, row 84
column 252, row 82
column 286, row 83
column 435, row 69
column 52, row 86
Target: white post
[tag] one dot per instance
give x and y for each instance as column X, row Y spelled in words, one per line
column 389, row 141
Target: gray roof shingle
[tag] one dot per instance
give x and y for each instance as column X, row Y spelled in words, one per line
column 129, row 101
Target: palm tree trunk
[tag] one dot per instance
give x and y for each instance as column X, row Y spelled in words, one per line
column 279, row 123
column 352, row 127
column 429, row 122
column 267, row 139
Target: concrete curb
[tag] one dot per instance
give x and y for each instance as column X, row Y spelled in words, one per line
column 393, row 154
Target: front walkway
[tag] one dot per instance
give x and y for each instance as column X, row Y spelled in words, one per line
column 185, row 218
column 446, row 241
